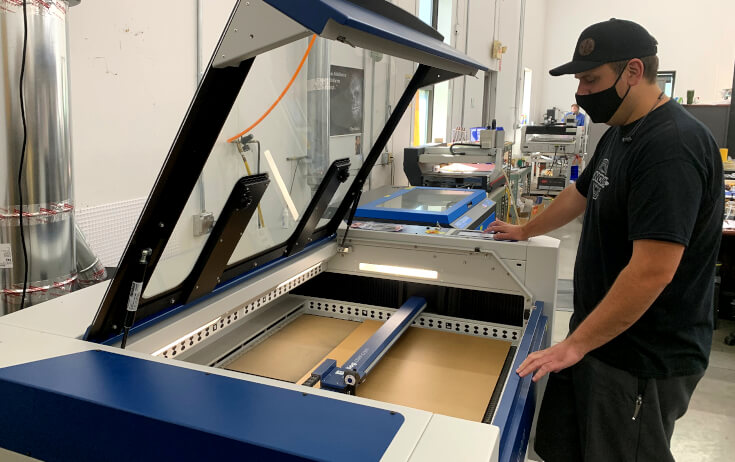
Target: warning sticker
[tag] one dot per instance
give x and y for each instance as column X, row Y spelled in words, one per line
column 135, row 290
column 6, row 256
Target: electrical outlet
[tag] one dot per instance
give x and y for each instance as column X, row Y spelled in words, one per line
column 203, row 223
column 497, row 50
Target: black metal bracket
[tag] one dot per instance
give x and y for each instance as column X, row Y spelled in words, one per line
column 351, row 217
column 338, row 173
column 227, row 232
column 191, row 148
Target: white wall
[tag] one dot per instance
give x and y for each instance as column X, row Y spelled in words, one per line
column 132, row 77
column 509, row 21
column 696, row 39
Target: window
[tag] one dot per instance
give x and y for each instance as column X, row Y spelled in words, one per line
column 422, row 127
column 432, row 103
column 526, row 105
column 665, row 80
column 279, row 145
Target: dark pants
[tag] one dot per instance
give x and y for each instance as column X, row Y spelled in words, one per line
column 588, row 410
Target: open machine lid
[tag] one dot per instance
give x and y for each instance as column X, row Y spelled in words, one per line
column 261, row 219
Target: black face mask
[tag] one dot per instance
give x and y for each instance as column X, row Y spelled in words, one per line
column 601, row 106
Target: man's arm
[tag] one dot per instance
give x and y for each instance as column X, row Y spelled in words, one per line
column 566, row 207
column 650, row 270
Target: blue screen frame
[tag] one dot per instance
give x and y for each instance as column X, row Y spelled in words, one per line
column 373, row 210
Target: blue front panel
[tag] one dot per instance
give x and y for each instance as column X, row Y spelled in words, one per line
column 518, row 404
column 97, row 405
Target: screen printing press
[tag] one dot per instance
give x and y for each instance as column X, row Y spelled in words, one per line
column 270, row 339
column 441, row 207
column 556, row 146
column 456, row 166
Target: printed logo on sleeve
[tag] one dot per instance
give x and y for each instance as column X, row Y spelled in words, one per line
column 600, row 179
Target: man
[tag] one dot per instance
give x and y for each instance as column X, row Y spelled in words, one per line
column 577, row 115
column 643, row 279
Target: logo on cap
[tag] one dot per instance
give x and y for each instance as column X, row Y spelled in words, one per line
column 586, row 47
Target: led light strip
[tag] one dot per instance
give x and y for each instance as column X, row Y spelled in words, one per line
column 399, row 271
column 226, row 320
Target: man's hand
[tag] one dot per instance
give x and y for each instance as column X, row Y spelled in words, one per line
column 554, row 359
column 507, row 231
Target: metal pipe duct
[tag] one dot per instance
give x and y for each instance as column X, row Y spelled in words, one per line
column 90, row 269
column 47, row 183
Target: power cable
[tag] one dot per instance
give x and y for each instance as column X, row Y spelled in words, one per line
column 293, row 179
column 451, row 147
column 22, row 157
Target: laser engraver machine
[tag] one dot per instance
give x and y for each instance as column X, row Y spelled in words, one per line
column 300, row 339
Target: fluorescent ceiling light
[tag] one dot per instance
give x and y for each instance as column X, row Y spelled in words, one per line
column 399, row 271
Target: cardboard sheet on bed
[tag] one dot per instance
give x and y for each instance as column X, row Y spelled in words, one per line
column 441, row 372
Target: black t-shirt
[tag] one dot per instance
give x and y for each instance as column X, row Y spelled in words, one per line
column 667, row 185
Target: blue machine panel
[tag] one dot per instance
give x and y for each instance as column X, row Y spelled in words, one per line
column 350, row 14
column 487, row 222
column 515, row 411
column 97, row 405
column 422, row 205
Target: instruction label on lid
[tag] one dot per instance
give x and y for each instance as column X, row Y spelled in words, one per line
column 6, row 256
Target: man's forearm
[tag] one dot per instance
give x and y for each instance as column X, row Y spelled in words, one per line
column 565, row 208
column 631, row 295
column 651, row 268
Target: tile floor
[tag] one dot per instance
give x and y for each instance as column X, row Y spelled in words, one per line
column 706, row 433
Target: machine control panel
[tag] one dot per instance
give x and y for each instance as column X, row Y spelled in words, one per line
column 478, row 217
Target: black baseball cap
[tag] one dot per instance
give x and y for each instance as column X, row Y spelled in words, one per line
column 608, row 42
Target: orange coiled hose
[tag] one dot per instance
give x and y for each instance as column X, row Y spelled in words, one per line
column 283, row 93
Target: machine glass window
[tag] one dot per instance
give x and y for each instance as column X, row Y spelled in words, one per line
column 335, row 109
